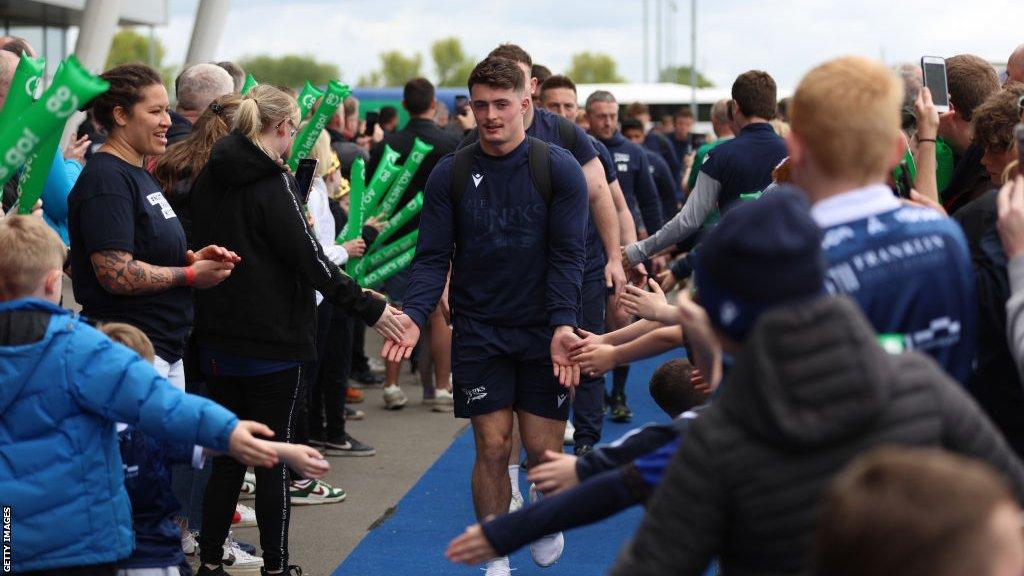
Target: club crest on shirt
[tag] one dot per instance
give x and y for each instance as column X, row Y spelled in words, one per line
column 477, row 179
column 157, row 199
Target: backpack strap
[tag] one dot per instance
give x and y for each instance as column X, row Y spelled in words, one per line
column 462, row 165
column 566, row 133
column 539, row 157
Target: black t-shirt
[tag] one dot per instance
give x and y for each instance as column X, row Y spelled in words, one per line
column 117, row 206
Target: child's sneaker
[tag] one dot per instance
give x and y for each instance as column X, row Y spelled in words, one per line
column 307, row 492
column 190, row 542
column 394, row 398
column 246, row 516
column 238, row 561
column 444, row 400
column 248, row 491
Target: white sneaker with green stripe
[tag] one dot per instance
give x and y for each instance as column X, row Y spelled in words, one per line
column 308, row 492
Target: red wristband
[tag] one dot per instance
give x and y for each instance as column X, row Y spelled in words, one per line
column 190, row 275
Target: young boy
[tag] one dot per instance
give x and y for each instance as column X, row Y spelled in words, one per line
column 63, row 385
column 147, row 478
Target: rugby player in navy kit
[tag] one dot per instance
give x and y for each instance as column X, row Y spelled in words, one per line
column 517, row 256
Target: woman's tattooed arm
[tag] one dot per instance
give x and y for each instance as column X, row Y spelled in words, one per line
column 119, row 273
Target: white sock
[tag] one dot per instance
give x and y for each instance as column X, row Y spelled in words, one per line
column 302, row 483
column 513, row 476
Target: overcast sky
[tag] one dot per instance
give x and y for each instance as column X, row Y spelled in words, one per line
column 786, row 37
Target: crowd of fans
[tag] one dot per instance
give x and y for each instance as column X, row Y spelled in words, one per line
column 850, row 399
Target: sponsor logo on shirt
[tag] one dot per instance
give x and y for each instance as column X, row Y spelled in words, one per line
column 477, row 179
column 157, row 199
column 941, row 332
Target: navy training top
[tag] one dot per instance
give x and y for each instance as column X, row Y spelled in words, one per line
column 636, row 182
column 744, row 164
column 515, row 261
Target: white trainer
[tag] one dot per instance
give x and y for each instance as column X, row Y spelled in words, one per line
column 238, row 561
column 548, row 549
column 246, row 515
column 394, row 398
column 498, row 567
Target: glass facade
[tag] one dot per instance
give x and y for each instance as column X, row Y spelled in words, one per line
column 50, row 42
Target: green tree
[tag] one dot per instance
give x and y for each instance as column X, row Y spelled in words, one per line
column 681, row 75
column 289, row 70
column 593, row 68
column 128, row 46
column 395, row 70
column 453, row 66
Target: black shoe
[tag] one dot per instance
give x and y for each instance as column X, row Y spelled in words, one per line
column 620, row 412
column 218, row 571
column 348, row 446
column 316, row 440
column 292, row 570
column 368, row 378
column 581, row 450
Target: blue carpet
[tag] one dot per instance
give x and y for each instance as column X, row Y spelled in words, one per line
column 439, row 507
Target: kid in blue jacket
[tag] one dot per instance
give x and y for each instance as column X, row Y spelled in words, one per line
column 63, row 385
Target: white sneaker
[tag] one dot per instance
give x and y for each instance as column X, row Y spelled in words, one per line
column 548, row 549
column 444, row 400
column 394, row 398
column 375, row 364
column 238, row 561
column 516, row 503
column 247, row 515
column 498, row 567
column 248, row 491
column 189, row 544
column 570, row 431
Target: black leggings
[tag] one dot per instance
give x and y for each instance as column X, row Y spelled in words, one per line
column 327, row 402
column 270, row 399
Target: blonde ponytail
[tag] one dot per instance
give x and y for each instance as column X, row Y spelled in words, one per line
column 262, row 109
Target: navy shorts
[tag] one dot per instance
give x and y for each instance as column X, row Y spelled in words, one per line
column 494, row 367
column 396, row 286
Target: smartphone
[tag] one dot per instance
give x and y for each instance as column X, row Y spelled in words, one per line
column 934, row 70
column 461, row 105
column 1018, row 134
column 371, row 122
column 304, row 173
column 904, row 185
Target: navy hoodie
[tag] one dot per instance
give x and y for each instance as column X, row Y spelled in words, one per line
column 519, row 262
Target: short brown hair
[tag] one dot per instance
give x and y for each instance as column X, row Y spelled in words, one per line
column 513, row 53
column 126, row 85
column 418, row 95
column 754, row 92
column 131, row 337
column 683, row 112
column 540, row 72
column 498, row 73
column 558, row 81
column 636, row 109
column 847, row 113
column 913, row 512
column 995, row 118
column 971, row 80
column 31, row 250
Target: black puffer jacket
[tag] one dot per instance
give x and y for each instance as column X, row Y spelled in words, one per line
column 245, row 201
column 810, row 390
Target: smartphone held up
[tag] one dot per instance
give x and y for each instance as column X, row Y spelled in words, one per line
column 934, row 70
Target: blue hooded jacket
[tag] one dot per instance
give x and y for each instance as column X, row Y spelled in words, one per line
column 63, row 385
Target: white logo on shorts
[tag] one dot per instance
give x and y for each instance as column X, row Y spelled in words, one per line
column 478, row 393
column 561, row 399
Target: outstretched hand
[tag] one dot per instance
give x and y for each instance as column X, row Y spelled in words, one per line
column 390, row 324
column 555, row 473
column 651, row 305
column 244, row 446
column 399, row 348
column 471, row 547
column 567, row 372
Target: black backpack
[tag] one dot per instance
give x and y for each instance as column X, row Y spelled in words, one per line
column 539, row 158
